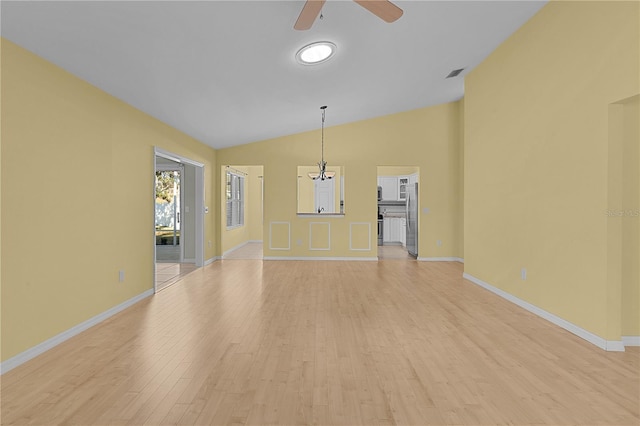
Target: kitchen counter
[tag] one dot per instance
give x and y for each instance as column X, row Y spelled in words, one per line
column 395, row 214
column 391, row 203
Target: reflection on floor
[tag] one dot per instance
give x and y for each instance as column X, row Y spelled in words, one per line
column 247, row 251
column 168, row 253
column 394, row 252
column 170, row 273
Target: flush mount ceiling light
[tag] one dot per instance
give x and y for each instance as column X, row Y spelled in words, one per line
column 316, row 53
column 322, row 172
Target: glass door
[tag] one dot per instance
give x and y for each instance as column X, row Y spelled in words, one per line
column 168, row 211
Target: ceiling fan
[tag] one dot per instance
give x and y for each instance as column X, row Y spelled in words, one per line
column 383, row 9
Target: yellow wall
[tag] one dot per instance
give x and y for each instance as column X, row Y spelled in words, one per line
column 1, row 316
column 427, row 138
column 397, row 170
column 77, row 199
column 536, row 167
column 255, row 199
column 459, row 164
column 306, row 189
column 630, row 226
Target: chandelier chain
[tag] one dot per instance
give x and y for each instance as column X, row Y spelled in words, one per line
column 322, row 132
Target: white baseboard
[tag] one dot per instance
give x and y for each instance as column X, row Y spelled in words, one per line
column 188, row 260
column 239, row 246
column 40, row 348
column 631, row 340
column 372, row 259
column 441, row 259
column 608, row 345
column 213, row 259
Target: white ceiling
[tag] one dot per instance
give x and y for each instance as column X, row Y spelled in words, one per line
column 225, row 72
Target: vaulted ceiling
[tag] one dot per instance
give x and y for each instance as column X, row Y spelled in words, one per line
column 225, row 72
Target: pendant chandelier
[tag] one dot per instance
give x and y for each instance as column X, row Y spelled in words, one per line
column 322, row 172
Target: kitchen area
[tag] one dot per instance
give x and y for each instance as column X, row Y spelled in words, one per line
column 398, row 208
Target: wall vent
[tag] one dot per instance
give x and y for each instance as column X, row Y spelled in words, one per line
column 455, row 73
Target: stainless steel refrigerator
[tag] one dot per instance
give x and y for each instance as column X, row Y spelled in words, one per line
column 412, row 219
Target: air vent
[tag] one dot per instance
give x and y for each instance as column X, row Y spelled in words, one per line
column 455, row 73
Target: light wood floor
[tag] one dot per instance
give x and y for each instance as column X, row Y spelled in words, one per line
column 248, row 251
column 279, row 342
column 394, row 252
column 170, row 273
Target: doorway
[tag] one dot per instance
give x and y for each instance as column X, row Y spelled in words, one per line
column 178, row 217
column 398, row 207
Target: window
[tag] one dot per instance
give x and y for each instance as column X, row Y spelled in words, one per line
column 235, row 200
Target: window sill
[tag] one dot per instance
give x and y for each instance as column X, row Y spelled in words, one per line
column 320, row 214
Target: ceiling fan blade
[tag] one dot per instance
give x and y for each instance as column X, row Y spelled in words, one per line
column 383, row 9
column 308, row 15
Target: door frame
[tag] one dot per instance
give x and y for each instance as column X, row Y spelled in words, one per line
column 199, row 205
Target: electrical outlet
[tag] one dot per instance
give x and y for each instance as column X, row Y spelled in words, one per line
column 523, row 274
column 299, row 242
column 121, row 275
column 439, row 243
column 209, row 243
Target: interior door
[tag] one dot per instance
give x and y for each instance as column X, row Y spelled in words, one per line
column 325, row 196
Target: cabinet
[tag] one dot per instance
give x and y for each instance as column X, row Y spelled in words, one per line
column 394, row 188
column 393, row 231
column 386, row 230
column 403, row 181
column 403, row 232
column 389, row 185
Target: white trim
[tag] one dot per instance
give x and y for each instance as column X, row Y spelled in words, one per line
column 631, row 340
column 213, row 259
column 40, row 348
column 320, row 214
column 199, row 215
column 176, row 157
column 154, row 264
column 441, row 259
column 239, row 246
column 329, row 239
column 271, row 232
column 232, row 249
column 607, row 345
column 188, row 260
column 350, row 235
column 368, row 259
column 613, row 345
